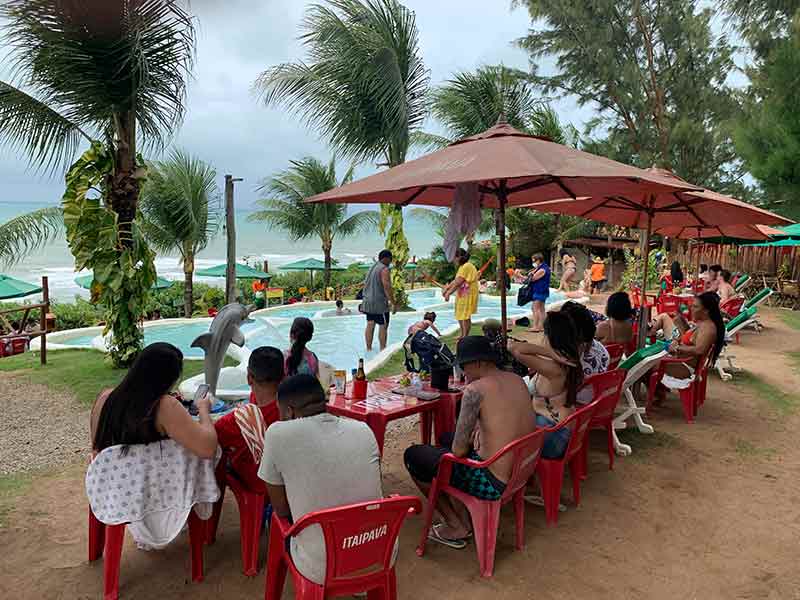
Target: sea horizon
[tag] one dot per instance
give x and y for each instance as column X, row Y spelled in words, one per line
column 254, row 244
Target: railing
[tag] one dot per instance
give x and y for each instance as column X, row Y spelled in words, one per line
column 44, row 309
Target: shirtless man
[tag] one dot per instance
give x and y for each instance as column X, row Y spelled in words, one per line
column 724, row 287
column 713, row 278
column 495, row 410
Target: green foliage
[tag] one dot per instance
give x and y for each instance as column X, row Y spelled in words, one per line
column 632, row 276
column 473, row 101
column 73, row 315
column 26, row 233
column 768, row 133
column 397, row 244
column 286, row 209
column 180, row 211
column 657, row 72
column 123, row 265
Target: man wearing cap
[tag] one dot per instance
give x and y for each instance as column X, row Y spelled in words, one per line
column 495, row 410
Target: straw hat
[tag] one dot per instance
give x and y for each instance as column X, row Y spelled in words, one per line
column 597, row 259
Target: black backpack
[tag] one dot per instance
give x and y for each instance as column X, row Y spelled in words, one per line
column 430, row 350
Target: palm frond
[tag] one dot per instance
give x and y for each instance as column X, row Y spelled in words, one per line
column 27, row 233
column 428, row 142
column 180, row 203
column 28, row 125
column 96, row 63
column 429, row 215
column 363, row 85
column 359, row 222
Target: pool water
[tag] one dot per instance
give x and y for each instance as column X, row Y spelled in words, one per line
column 337, row 340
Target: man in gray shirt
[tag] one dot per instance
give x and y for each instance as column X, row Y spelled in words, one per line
column 378, row 299
column 314, row 460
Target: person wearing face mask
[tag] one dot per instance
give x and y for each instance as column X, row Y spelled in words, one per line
column 540, row 278
column 314, row 460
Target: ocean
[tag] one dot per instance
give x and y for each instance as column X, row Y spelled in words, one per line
column 254, row 244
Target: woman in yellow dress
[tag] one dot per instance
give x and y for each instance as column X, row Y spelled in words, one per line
column 465, row 286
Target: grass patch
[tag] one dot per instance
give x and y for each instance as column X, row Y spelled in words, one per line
column 11, row 486
column 779, row 400
column 794, row 358
column 747, row 449
column 645, row 444
column 396, row 363
column 82, row 372
column 791, row 318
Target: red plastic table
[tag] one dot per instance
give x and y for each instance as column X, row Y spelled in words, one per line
column 382, row 406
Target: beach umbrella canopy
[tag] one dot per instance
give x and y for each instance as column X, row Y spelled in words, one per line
column 309, row 264
column 779, row 243
column 510, row 168
column 790, row 231
column 11, row 287
column 727, row 234
column 85, row 281
column 242, row 272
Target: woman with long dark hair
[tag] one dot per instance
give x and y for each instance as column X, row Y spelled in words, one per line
column 557, row 376
column 140, row 409
column 299, row 359
column 676, row 273
column 691, row 344
column 618, row 328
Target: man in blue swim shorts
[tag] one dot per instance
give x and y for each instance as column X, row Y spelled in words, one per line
column 495, row 410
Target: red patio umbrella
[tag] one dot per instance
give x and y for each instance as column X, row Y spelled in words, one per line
column 511, row 168
column 658, row 210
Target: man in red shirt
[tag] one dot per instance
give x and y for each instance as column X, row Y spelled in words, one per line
column 241, row 432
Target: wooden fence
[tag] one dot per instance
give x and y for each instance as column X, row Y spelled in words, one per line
column 755, row 260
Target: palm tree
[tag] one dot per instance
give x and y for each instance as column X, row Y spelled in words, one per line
column 473, row 101
column 111, row 74
column 285, row 208
column 28, row 232
column 181, row 211
column 363, row 88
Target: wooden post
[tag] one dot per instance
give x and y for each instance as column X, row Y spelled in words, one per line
column 644, row 316
column 43, row 320
column 230, row 230
column 610, row 262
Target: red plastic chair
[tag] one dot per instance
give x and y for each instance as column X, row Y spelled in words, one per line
column 212, row 312
column 358, row 537
column 550, row 471
column 485, row 514
column 108, row 540
column 606, row 392
column 699, row 286
column 636, row 298
column 251, row 513
column 692, row 396
column 669, row 304
column 615, row 352
column 668, row 283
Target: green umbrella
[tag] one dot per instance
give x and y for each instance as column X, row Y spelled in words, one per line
column 790, row 230
column 778, row 243
column 85, row 281
column 242, row 272
column 16, row 288
column 310, row 265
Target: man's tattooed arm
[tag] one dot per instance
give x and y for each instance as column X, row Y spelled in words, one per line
column 467, row 419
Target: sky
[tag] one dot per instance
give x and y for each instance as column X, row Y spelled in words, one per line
column 238, row 39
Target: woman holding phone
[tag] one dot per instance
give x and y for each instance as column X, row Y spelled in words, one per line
column 140, row 410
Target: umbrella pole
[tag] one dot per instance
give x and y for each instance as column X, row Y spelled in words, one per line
column 644, row 313
column 501, row 232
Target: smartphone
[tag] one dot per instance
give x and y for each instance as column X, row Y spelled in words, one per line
column 202, row 390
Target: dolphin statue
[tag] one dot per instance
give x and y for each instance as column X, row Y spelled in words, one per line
column 224, row 331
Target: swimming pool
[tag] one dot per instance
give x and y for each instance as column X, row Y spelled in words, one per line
column 338, row 340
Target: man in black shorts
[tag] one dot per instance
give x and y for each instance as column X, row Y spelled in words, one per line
column 378, row 300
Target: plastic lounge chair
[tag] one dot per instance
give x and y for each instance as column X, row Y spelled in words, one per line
column 485, row 514
column 251, row 513
column 606, row 391
column 357, row 537
column 759, row 298
column 746, row 318
column 732, row 306
column 742, row 282
column 691, row 397
column 636, row 365
column 550, row 471
column 615, row 353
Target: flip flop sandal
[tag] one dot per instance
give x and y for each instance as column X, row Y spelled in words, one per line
column 539, row 501
column 434, row 535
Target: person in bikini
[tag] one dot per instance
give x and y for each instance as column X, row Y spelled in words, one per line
column 556, row 377
column 495, row 410
column 569, row 266
column 693, row 344
column 618, row 328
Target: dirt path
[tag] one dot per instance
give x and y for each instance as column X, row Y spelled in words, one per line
column 702, row 511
